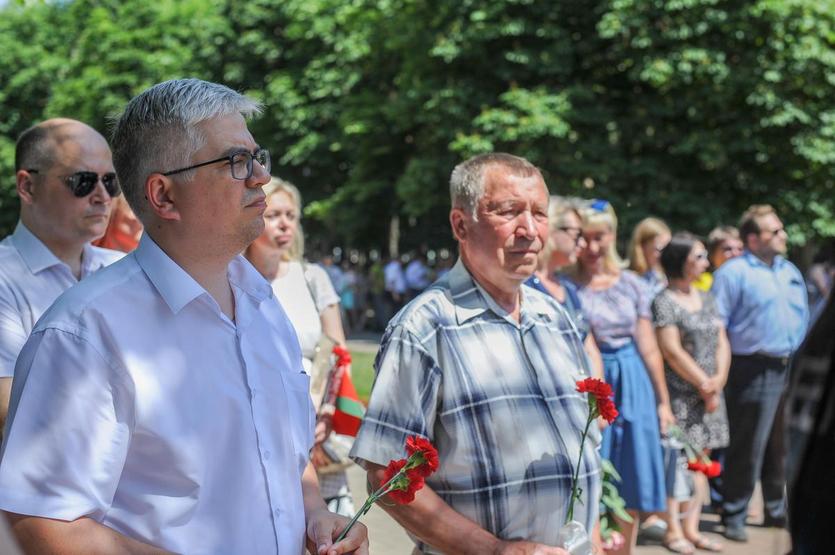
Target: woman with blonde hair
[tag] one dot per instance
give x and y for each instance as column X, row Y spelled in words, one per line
column 723, row 243
column 649, row 238
column 617, row 305
column 565, row 238
column 308, row 297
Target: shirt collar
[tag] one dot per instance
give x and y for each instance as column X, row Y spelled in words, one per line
column 470, row 299
column 755, row 260
column 178, row 288
column 35, row 254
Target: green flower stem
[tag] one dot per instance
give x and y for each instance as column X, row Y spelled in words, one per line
column 570, row 516
column 373, row 498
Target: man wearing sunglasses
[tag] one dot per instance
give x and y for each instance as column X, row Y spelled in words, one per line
column 65, row 181
column 161, row 405
column 761, row 297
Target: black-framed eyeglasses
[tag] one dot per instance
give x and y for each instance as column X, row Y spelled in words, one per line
column 240, row 163
column 575, row 233
column 83, row 183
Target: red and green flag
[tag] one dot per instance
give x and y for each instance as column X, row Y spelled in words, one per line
column 349, row 409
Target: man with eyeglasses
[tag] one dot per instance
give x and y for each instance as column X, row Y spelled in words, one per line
column 65, row 181
column 761, row 297
column 160, row 406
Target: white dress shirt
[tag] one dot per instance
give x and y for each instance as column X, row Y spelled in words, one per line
column 31, row 278
column 139, row 404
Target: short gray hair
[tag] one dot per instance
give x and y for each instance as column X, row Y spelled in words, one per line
column 158, row 130
column 466, row 184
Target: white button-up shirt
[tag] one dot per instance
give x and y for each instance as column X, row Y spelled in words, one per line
column 31, row 278
column 137, row 403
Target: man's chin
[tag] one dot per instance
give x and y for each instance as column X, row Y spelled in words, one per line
column 95, row 232
column 523, row 271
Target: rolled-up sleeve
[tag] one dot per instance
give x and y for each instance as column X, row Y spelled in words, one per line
column 403, row 400
column 68, row 431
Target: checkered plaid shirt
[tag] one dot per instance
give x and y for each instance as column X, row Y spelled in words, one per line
column 496, row 397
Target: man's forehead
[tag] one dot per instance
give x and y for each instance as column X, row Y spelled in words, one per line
column 227, row 132
column 501, row 183
column 770, row 219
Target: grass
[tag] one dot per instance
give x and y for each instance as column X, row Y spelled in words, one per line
column 362, row 372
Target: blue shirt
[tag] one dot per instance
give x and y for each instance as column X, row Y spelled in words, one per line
column 764, row 308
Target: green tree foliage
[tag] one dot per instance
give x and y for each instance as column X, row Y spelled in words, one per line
column 685, row 109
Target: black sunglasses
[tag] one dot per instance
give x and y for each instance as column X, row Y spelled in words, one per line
column 82, row 183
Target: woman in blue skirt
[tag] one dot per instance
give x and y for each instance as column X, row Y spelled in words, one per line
column 616, row 303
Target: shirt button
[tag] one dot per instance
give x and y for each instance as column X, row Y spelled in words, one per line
column 277, row 512
column 266, row 455
column 253, row 391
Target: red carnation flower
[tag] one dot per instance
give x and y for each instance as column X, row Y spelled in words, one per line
column 596, row 387
column 696, row 466
column 427, row 456
column 709, row 468
column 713, row 469
column 600, row 399
column 606, row 408
column 403, row 489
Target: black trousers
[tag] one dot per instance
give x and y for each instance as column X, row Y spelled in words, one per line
column 754, row 398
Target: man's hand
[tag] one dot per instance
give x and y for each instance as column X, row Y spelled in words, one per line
column 323, row 526
column 319, row 458
column 527, row 548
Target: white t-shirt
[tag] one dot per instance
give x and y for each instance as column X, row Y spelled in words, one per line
column 297, row 300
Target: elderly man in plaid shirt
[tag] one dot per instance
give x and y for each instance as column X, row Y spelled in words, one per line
column 486, row 369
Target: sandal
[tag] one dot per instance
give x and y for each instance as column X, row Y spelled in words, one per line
column 706, row 544
column 680, row 545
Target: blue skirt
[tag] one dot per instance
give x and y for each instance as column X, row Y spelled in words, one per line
column 633, row 442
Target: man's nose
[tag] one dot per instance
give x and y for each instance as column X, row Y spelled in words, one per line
column 526, row 227
column 99, row 194
column 260, row 176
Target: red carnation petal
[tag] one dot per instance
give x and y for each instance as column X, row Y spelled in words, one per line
column 415, row 444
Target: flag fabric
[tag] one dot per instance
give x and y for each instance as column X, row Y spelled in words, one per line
column 349, row 410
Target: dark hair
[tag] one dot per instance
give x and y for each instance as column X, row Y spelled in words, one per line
column 31, row 149
column 748, row 223
column 674, row 256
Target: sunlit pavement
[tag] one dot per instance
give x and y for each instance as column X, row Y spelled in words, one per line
column 388, row 538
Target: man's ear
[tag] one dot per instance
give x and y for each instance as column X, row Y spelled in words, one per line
column 160, row 193
column 459, row 221
column 25, row 186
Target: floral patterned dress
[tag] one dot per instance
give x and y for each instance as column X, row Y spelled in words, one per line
column 699, row 333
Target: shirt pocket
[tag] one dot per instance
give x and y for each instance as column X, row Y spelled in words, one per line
column 301, row 414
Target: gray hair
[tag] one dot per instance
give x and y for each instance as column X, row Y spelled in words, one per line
column 466, row 184
column 158, row 131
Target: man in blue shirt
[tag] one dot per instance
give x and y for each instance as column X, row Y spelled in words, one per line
column 762, row 299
